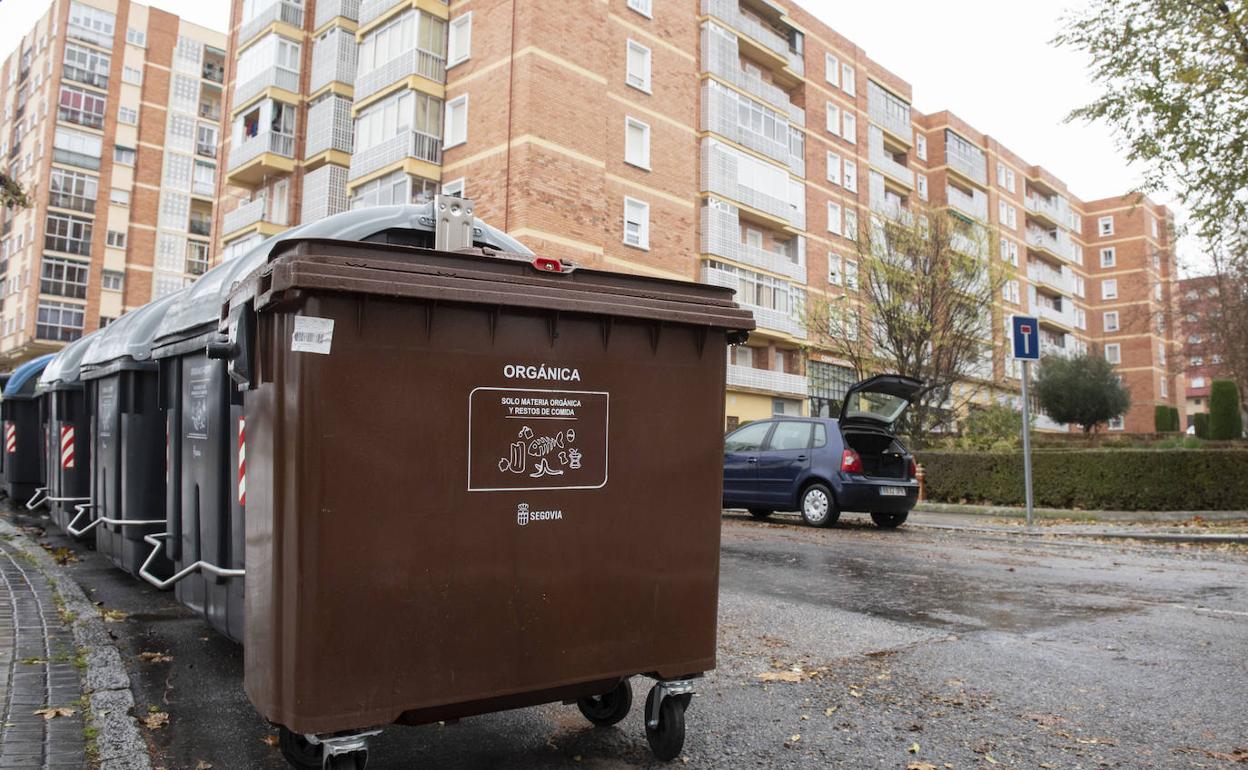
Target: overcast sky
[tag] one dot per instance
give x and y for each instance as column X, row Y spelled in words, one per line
column 988, row 61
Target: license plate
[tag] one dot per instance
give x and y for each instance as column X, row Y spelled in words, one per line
column 893, row 491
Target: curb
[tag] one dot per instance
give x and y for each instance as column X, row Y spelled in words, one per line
column 1010, row 512
column 106, row 683
column 1157, row 537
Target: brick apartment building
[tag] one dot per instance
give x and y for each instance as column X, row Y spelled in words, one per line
column 738, row 142
column 109, row 118
column 1201, row 364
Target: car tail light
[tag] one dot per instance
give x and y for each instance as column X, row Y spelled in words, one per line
column 914, row 469
column 851, row 462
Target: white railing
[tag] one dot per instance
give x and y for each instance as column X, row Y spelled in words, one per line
column 721, row 58
column 719, row 176
column 1063, row 317
column 333, row 59
column 410, row 144
column 276, row 77
column 1059, row 244
column 973, row 168
column 371, row 10
column 720, row 110
column 324, row 193
column 975, row 204
column 255, row 146
column 1061, row 280
column 282, row 10
column 884, row 162
column 246, row 214
column 721, row 237
column 888, row 112
column 329, row 126
column 797, row 63
column 764, row 317
column 412, row 62
column 328, row 9
column 767, row 380
column 1047, row 207
column 730, row 13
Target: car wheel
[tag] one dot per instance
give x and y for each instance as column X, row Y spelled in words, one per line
column 889, row 520
column 760, row 513
column 818, row 507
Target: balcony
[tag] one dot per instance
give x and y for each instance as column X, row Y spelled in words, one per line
column 333, row 59
column 210, row 110
column 766, row 38
column 80, row 75
column 780, row 383
column 324, row 193
column 63, row 200
column 766, row 318
column 214, row 72
column 329, row 126
column 1047, row 313
column 199, row 226
column 721, row 237
column 81, row 117
column 965, row 158
column 722, row 59
column 285, row 11
column 974, row 204
column 410, row 144
column 1051, row 210
column 271, row 77
column 196, row 258
column 881, row 160
column 204, row 188
column 413, row 62
column 264, row 154
column 721, row 175
column 248, row 214
column 327, row 10
column 1057, row 243
column 721, row 108
column 1049, row 347
column 371, row 10
column 1061, row 281
column 889, row 113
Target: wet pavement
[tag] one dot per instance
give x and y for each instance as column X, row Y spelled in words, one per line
column 849, row 647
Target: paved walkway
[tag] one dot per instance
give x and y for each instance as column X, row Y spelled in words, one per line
column 37, row 663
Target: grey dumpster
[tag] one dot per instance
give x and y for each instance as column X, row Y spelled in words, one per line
column 23, row 432
column 67, row 452
column 206, row 495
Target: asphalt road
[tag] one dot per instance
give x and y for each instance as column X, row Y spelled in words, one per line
column 914, row 646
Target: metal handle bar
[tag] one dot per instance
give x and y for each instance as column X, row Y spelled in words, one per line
column 64, row 499
column 35, row 500
column 82, row 510
column 155, row 542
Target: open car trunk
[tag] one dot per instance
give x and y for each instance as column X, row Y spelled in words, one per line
column 882, row 454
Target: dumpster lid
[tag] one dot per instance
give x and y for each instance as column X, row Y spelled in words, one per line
column 132, row 334
column 498, row 280
column 403, row 224
column 63, row 370
column 26, row 376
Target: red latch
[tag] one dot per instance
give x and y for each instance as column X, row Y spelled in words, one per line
column 549, row 265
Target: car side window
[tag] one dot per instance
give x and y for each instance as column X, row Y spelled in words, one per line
column 821, row 435
column 790, row 435
column 747, row 439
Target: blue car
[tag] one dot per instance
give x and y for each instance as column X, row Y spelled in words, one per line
column 820, row 467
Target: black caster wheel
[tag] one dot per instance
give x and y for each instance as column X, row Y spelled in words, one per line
column 668, row 737
column 610, row 707
column 298, row 750
column 351, row 760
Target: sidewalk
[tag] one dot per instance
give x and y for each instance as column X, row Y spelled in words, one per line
column 1223, row 531
column 37, row 655
column 1007, row 511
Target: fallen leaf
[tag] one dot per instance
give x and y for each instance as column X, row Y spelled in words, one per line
column 914, row 748
column 272, row 740
column 829, row 711
column 990, row 759
column 780, row 676
column 64, row 556
column 155, row 657
column 920, row 766
column 202, row 765
column 795, row 737
column 114, row 616
column 55, row 711
column 156, row 720
column 855, row 693
column 805, row 717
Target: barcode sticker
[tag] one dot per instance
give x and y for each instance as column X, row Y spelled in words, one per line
column 312, row 335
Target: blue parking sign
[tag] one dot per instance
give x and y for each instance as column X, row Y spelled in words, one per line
column 1026, row 338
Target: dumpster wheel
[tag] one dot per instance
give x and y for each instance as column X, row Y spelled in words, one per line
column 299, row 751
column 665, row 721
column 610, row 707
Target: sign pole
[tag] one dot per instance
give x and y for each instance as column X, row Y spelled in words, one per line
column 1027, row 439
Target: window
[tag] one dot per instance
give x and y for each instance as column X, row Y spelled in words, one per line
column 87, row 65
column 1009, row 251
column 834, row 217
column 834, row 168
column 851, row 176
column 920, row 182
column 638, row 66
column 119, row 197
column 920, row 146
column 1109, row 288
column 1109, row 321
column 459, row 40
column 1105, row 226
column 64, row 277
column 1116, row 423
column 127, row 115
column 1113, row 353
column 1198, row 382
column 847, row 78
column 636, row 143
column 1005, row 177
column 116, row 239
column 92, row 25
column 1165, row 388
column 456, row 121
column 1008, row 215
column 123, row 155
column 834, row 269
column 831, row 69
column 747, row 439
column 642, row 7
column 82, row 107
column 851, row 224
column 1156, row 229
column 112, row 280
column 1009, row 291
column 132, row 75
column 636, row 223
column 789, row 435
column 59, row 321
column 77, row 148
column 851, row 274
column 72, row 190
column 849, row 132
column 67, row 233
column 136, row 37
column 454, row 187
column 834, row 119
column 1108, row 257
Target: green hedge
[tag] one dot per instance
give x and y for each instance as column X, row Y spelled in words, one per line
column 1108, row 480
column 1224, row 417
column 1161, row 418
column 1201, row 421
column 1176, row 423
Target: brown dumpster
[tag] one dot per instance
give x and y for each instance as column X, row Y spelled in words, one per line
column 475, row 482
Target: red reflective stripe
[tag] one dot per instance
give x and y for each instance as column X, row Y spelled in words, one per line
column 242, row 461
column 67, row 446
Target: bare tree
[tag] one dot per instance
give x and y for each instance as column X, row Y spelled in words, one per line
column 920, row 304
